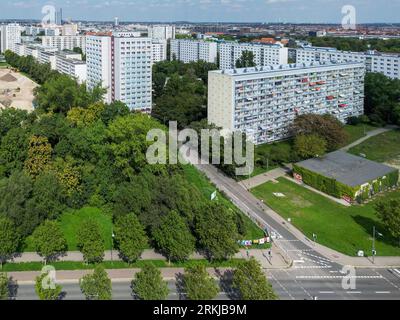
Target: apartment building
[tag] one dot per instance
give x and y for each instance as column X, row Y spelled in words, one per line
column 72, row 65
column 122, row 65
column 264, row 54
column 264, row 101
column 159, row 50
column 10, row 35
column 65, row 42
column 159, row 32
column 387, row 64
column 194, row 50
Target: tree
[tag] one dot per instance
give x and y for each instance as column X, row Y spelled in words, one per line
column 8, row 239
column 246, row 60
column 91, row 242
column 130, row 237
column 325, row 126
column 46, row 289
column 389, row 213
column 173, row 237
column 310, row 146
column 217, row 231
column 199, row 285
column 49, row 241
column 149, row 285
column 15, row 192
column 39, row 156
column 11, row 118
column 251, row 282
column 96, row 286
column 4, row 286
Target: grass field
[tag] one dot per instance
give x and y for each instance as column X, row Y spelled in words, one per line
column 70, row 265
column 358, row 131
column 4, row 65
column 70, row 222
column 345, row 229
column 382, row 148
column 205, row 186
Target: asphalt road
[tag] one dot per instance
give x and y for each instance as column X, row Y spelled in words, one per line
column 312, row 275
column 120, row 291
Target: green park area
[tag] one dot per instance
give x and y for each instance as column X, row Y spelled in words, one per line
column 381, row 148
column 344, row 229
column 356, row 132
column 70, row 222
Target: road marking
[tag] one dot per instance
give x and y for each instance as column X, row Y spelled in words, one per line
column 354, row 292
column 382, row 292
column 338, row 277
column 326, row 292
column 298, row 261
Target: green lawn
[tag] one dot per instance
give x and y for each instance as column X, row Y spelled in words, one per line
column 358, row 131
column 382, row 148
column 4, row 65
column 71, row 265
column 206, row 187
column 70, row 222
column 345, row 229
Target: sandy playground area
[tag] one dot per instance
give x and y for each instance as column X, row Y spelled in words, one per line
column 16, row 90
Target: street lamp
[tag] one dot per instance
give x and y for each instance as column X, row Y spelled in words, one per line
column 112, row 243
column 374, row 234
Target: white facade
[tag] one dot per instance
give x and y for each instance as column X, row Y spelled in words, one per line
column 264, row 54
column 69, row 30
column 161, row 32
column 159, row 50
column 123, row 66
column 264, row 101
column 387, row 64
column 65, row 42
column 10, row 35
column 72, row 65
column 194, row 50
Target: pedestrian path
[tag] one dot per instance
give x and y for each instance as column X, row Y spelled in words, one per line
column 277, row 261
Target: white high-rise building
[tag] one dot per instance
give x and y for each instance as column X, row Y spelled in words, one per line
column 65, row 42
column 10, row 35
column 161, row 32
column 387, row 64
column 194, row 50
column 159, row 50
column 264, row 54
column 264, row 101
column 122, row 65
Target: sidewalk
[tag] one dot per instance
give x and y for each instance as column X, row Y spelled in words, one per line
column 276, row 262
column 263, row 178
column 369, row 134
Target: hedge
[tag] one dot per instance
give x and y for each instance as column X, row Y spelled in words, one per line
column 339, row 190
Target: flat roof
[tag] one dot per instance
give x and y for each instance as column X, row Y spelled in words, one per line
column 286, row 67
column 364, row 53
column 347, row 168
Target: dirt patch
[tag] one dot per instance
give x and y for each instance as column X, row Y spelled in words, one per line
column 16, row 90
column 8, row 78
column 300, row 202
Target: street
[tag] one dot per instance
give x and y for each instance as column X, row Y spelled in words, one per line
column 120, row 291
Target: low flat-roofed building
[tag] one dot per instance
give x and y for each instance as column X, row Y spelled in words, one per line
column 346, row 176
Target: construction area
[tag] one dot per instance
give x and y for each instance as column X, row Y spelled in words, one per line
column 16, row 90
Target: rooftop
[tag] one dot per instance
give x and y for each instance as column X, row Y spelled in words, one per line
column 286, row 67
column 346, row 168
column 367, row 53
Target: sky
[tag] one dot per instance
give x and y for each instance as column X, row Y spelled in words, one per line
column 297, row 11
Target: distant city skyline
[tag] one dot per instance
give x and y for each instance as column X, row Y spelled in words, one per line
column 295, row 11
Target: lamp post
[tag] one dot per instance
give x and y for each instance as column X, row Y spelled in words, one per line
column 112, row 243
column 374, row 234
